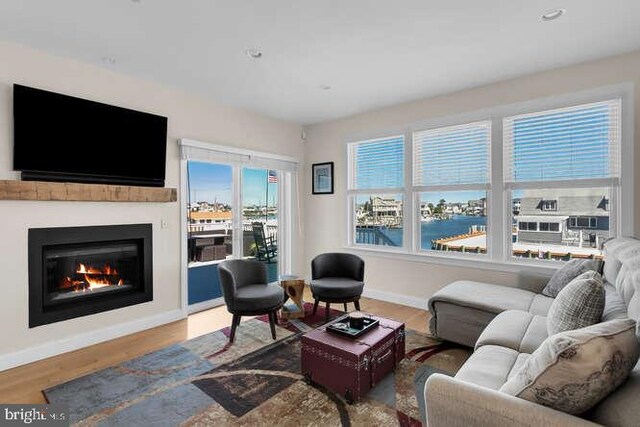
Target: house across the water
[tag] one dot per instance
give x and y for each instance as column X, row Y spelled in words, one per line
column 576, row 217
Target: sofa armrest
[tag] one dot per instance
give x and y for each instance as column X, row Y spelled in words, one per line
column 453, row 403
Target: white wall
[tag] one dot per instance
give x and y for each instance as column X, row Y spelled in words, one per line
column 189, row 117
column 416, row 281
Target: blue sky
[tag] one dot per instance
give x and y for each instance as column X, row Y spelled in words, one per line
column 210, row 182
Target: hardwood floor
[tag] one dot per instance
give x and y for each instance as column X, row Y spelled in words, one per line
column 24, row 384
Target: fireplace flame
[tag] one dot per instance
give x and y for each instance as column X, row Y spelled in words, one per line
column 96, row 282
column 106, row 270
column 90, row 277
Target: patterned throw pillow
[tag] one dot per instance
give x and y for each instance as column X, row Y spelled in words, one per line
column 567, row 273
column 574, row 370
column 579, row 304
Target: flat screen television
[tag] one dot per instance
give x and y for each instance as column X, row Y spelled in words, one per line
column 63, row 138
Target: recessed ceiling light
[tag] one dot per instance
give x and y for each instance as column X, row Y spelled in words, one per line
column 109, row 60
column 552, row 15
column 254, row 53
column 324, row 87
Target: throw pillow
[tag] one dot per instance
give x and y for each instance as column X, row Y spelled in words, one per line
column 579, row 304
column 574, row 370
column 567, row 273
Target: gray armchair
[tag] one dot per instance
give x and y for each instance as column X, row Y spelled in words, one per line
column 247, row 293
column 337, row 278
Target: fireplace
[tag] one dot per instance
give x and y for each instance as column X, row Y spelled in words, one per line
column 76, row 271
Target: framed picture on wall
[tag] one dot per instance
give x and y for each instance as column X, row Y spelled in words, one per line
column 322, row 178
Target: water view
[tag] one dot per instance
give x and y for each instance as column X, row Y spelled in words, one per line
column 438, row 229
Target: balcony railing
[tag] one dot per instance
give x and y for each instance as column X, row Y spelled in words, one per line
column 372, row 235
column 211, row 242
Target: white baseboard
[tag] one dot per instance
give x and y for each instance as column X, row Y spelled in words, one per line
column 407, row 300
column 54, row 348
column 205, row 305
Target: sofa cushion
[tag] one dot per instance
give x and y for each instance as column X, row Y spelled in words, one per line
column 614, row 306
column 611, row 269
column 565, row 274
column 628, row 287
column 574, row 370
column 615, row 251
column 484, row 296
column 540, row 305
column 520, row 360
column 621, row 407
column 489, row 366
column 515, row 329
column 579, row 304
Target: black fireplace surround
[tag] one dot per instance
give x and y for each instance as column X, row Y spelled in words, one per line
column 77, row 271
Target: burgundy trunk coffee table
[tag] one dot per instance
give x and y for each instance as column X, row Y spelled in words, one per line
column 352, row 366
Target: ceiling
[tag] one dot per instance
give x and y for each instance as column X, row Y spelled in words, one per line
column 371, row 52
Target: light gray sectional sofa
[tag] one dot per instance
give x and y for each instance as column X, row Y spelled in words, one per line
column 505, row 325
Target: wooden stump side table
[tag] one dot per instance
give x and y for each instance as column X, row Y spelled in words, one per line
column 294, row 290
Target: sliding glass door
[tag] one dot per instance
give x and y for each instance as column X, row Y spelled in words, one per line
column 210, row 212
column 260, row 217
column 235, row 209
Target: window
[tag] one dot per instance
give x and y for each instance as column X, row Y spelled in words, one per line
column 550, row 227
column 376, row 191
column 527, row 226
column 451, row 175
column 549, row 205
column 583, row 222
column 554, row 192
column 565, row 161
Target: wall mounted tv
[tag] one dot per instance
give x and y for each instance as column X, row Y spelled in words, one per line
column 63, row 138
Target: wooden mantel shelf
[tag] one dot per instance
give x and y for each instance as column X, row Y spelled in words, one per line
column 36, row 190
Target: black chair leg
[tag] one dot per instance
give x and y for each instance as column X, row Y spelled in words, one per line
column 315, row 306
column 234, row 324
column 326, row 312
column 357, row 304
column 345, row 307
column 272, row 324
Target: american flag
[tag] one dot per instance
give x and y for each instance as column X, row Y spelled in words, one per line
column 272, row 177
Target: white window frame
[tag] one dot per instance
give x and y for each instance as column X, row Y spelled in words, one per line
column 417, row 190
column 287, row 204
column 499, row 195
column 549, row 205
column 352, row 193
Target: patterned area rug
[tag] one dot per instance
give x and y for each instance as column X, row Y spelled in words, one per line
column 255, row 381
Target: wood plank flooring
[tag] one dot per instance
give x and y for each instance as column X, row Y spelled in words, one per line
column 25, row 383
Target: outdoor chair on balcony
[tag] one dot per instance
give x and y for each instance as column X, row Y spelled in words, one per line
column 337, row 278
column 247, row 292
column 266, row 246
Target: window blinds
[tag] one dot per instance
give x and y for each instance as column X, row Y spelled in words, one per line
column 204, row 152
column 575, row 143
column 377, row 164
column 454, row 155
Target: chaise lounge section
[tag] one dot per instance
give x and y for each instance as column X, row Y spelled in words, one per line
column 461, row 311
column 505, row 326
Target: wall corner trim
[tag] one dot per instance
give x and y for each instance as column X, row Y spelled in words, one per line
column 75, row 342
